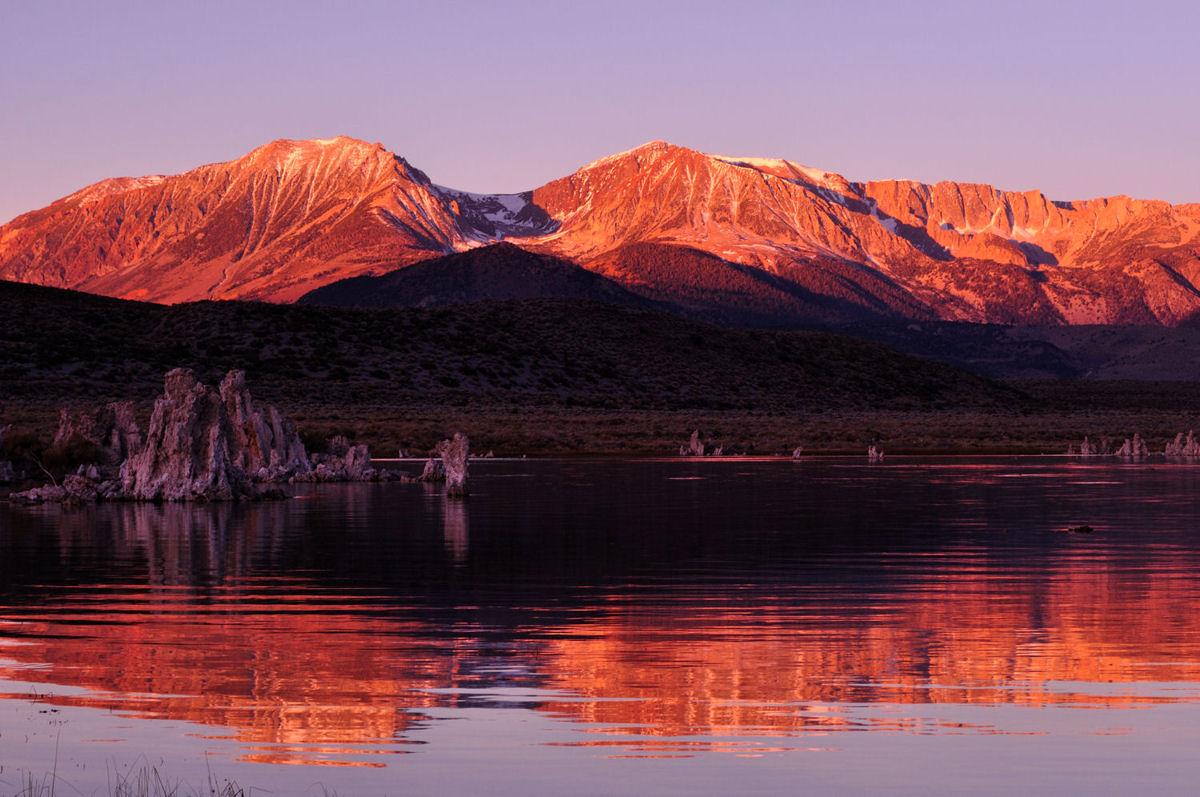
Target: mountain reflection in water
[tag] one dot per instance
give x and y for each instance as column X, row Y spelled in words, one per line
column 753, row 605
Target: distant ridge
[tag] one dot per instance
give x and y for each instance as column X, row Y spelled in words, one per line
column 731, row 239
column 500, row 271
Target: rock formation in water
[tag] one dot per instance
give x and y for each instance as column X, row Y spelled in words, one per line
column 86, row 487
column 349, row 463
column 206, row 444
column 47, row 494
column 434, row 470
column 874, row 454
column 202, row 444
column 1086, row 449
column 261, row 443
column 186, row 455
column 693, row 447
column 1134, row 449
column 105, row 437
column 1183, row 447
column 455, row 455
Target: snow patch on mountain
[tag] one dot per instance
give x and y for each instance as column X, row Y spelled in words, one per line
column 487, row 218
column 782, row 168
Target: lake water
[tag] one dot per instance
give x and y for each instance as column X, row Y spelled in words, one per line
column 613, row 627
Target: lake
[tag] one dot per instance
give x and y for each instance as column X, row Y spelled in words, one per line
column 620, row 627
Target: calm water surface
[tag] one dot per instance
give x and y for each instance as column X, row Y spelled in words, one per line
column 727, row 626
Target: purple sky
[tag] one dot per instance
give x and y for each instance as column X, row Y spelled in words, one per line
column 1079, row 99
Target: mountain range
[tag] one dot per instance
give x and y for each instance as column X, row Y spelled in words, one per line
column 731, row 239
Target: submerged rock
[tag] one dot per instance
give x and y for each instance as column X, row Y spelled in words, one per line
column 75, row 489
column 49, row 494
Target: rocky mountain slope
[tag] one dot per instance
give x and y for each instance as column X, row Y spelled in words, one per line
column 950, row 251
column 272, row 225
column 739, row 240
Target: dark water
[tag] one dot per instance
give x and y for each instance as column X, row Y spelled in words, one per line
column 621, row 627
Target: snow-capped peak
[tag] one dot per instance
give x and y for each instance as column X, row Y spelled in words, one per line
column 493, row 217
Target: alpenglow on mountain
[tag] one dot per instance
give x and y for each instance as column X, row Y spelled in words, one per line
column 739, row 239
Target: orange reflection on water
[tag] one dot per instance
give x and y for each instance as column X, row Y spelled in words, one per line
column 299, row 681
column 1080, row 635
column 304, row 676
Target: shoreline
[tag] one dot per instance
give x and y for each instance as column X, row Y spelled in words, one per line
column 550, row 431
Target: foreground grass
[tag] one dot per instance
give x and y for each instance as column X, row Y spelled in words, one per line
column 140, row 781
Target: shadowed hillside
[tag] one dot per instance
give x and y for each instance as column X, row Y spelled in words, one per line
column 362, row 371
column 543, row 351
column 501, row 271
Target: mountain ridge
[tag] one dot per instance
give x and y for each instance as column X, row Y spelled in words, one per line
column 292, row 216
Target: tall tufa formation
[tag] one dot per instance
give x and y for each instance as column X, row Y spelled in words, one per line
column 205, row 444
column 262, row 443
column 455, row 455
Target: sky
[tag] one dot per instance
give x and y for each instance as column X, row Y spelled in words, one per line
column 1077, row 99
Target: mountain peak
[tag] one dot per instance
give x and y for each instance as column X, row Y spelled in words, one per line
column 296, row 214
column 337, row 152
column 315, row 145
column 649, row 150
